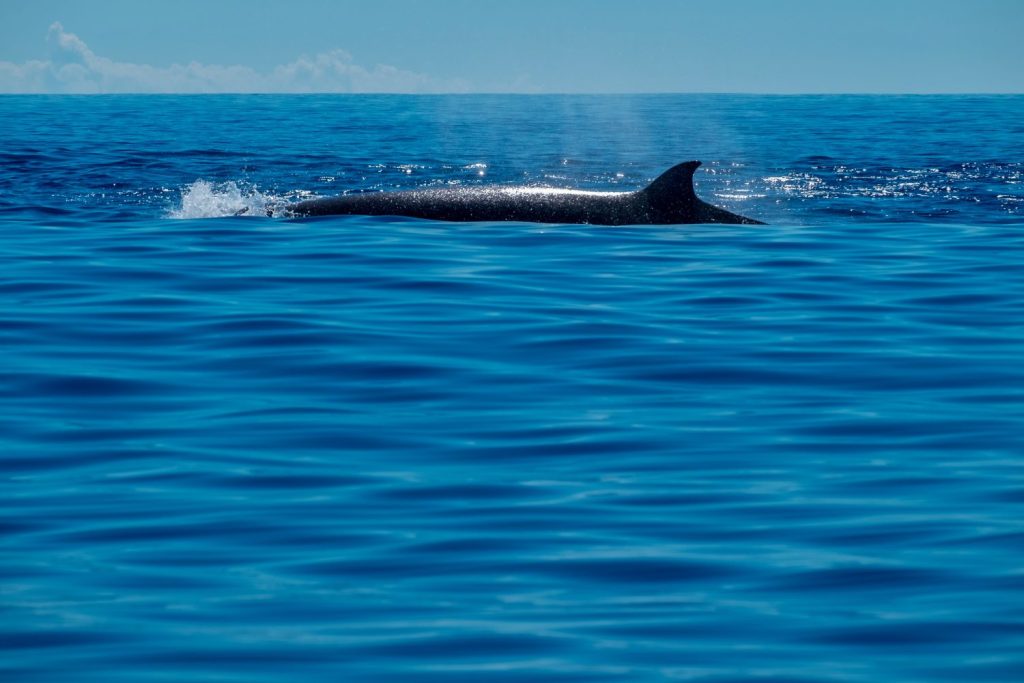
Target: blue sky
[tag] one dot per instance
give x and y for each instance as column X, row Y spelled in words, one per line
column 772, row 46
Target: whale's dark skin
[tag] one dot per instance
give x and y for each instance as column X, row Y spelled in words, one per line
column 669, row 200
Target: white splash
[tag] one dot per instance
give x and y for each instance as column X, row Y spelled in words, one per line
column 203, row 199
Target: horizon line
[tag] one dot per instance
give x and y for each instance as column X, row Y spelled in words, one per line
column 807, row 93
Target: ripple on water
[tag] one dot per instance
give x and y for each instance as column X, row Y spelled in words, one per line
column 371, row 449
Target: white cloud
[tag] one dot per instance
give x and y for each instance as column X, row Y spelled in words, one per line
column 74, row 68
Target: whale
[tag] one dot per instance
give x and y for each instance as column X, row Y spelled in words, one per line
column 670, row 199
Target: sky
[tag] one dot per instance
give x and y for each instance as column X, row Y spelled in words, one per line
column 520, row 46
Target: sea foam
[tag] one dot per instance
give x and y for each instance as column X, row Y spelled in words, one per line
column 203, row 199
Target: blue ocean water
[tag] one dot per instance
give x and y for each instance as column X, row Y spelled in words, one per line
column 383, row 449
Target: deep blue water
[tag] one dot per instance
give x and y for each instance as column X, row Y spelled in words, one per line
column 352, row 449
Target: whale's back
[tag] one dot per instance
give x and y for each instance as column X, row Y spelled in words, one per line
column 669, row 199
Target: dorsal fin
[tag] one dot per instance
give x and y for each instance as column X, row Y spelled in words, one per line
column 674, row 186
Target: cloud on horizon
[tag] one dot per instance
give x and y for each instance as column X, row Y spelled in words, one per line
column 74, row 68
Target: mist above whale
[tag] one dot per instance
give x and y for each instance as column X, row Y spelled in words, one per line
column 670, row 199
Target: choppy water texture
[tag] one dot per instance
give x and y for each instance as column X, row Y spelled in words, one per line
column 351, row 449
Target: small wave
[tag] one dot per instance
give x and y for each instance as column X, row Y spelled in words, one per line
column 203, row 199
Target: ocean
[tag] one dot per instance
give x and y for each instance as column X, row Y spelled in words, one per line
column 265, row 449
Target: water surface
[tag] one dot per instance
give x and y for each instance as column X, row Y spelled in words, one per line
column 376, row 449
